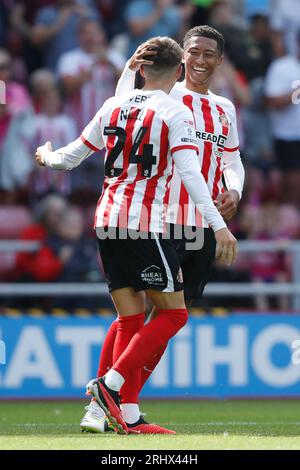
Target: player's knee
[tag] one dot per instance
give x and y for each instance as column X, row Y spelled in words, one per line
column 177, row 317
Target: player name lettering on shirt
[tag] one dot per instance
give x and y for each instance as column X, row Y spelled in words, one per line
column 139, row 98
column 129, row 113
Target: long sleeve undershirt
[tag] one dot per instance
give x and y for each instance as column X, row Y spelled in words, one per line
column 189, row 171
column 233, row 172
column 126, row 81
column 68, row 157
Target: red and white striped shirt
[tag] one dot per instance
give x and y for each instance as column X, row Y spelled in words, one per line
column 140, row 131
column 216, row 131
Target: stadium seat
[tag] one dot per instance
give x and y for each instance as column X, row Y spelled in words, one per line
column 7, row 265
column 13, row 219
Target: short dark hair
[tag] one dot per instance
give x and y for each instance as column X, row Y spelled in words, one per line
column 169, row 54
column 205, row 31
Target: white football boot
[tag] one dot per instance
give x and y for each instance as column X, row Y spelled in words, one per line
column 95, row 419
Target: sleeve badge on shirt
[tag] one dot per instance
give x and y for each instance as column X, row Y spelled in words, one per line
column 223, row 120
column 189, row 123
column 190, row 131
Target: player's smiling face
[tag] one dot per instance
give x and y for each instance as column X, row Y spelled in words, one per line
column 201, row 58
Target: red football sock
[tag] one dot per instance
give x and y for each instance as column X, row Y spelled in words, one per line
column 127, row 328
column 106, row 356
column 150, row 366
column 149, row 340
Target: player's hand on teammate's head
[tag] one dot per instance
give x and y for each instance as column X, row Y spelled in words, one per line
column 138, row 58
column 41, row 152
column 226, row 249
column 227, row 204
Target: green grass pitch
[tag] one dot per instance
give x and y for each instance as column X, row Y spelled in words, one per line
column 199, row 425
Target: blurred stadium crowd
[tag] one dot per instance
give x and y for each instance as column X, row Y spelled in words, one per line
column 60, row 60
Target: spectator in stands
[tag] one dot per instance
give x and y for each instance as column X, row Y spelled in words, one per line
column 261, row 44
column 64, row 255
column 89, row 76
column 55, row 29
column 240, row 50
column 41, row 82
column 147, row 18
column 285, row 24
column 15, row 127
column 38, row 32
column 258, row 149
column 51, row 124
column 274, row 222
column 252, row 7
column 112, row 13
column 19, row 68
column 42, row 265
column 201, row 12
column 283, row 102
column 23, row 12
column 89, row 73
column 21, row 18
column 78, row 256
column 3, row 22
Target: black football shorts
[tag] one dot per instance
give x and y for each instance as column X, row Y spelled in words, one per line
column 141, row 262
column 196, row 264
